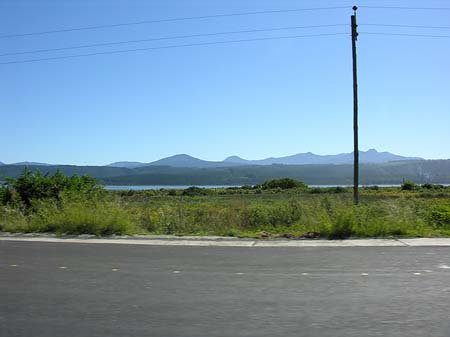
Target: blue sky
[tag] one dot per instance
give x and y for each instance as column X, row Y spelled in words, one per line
column 253, row 99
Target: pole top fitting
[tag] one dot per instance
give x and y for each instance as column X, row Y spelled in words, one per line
column 355, row 8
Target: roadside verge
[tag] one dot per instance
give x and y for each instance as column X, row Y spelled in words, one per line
column 203, row 241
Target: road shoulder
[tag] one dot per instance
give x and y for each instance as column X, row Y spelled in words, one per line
column 202, row 241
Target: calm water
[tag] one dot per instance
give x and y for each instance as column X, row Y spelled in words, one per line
column 182, row 187
column 158, row 187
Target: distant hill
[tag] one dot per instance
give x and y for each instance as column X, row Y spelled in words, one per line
column 433, row 171
column 98, row 172
column 31, row 163
column 370, row 156
column 237, row 160
column 422, row 171
column 179, row 160
column 182, row 169
column 128, row 164
column 184, row 160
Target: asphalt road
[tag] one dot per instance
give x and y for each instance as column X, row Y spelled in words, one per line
column 67, row 289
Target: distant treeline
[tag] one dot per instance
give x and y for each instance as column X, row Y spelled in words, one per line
column 429, row 171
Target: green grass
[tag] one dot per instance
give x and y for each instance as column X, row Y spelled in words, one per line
column 386, row 212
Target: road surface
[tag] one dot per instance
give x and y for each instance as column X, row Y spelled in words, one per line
column 77, row 289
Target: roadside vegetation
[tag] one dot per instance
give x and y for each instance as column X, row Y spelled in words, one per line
column 277, row 208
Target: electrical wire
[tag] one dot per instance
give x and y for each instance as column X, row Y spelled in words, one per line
column 171, row 20
column 403, row 26
column 170, row 46
column 169, row 38
column 408, row 8
column 408, row 35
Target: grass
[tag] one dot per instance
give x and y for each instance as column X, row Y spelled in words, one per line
column 330, row 213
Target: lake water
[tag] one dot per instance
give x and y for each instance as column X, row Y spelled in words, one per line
column 182, row 187
column 158, row 187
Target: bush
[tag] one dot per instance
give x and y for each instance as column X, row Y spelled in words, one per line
column 194, row 191
column 284, row 184
column 440, row 216
column 343, row 226
column 429, row 186
column 372, row 188
column 408, row 186
column 34, row 186
column 338, row 189
column 172, row 193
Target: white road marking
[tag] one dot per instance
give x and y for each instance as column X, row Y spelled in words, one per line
column 444, row 266
column 176, row 272
column 305, row 274
column 13, row 265
column 114, row 269
column 238, row 273
column 417, row 273
column 364, row 274
column 63, row 267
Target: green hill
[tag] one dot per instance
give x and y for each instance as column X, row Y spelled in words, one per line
column 434, row 171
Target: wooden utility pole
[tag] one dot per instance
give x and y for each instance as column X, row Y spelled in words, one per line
column 355, row 111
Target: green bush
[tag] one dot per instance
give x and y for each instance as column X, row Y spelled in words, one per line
column 338, row 189
column 372, row 188
column 73, row 216
column 194, row 191
column 34, row 186
column 429, row 186
column 283, row 183
column 440, row 216
column 343, row 225
column 408, row 186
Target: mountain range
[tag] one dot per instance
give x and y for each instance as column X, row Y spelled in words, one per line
column 184, row 160
column 394, row 172
column 27, row 163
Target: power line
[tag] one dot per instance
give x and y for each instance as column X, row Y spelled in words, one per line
column 171, row 20
column 169, row 38
column 171, row 46
column 403, row 26
column 408, row 35
column 408, row 8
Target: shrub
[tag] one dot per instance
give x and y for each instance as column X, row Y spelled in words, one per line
column 283, row 183
column 194, row 191
column 440, row 216
column 372, row 188
column 429, row 186
column 74, row 216
column 34, row 186
column 343, row 226
column 258, row 216
column 338, row 189
column 408, row 186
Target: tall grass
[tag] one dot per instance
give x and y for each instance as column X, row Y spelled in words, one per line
column 330, row 214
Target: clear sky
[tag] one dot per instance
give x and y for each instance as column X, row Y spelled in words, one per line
column 252, row 99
